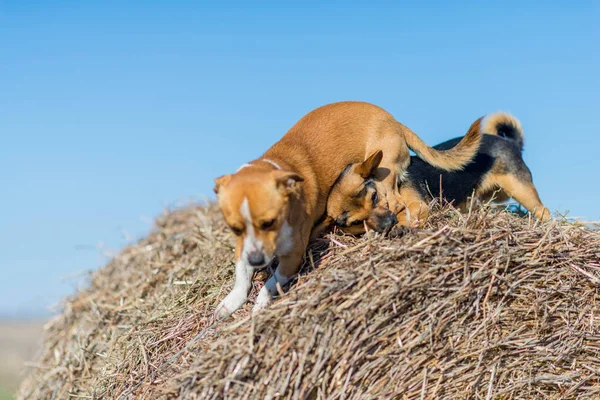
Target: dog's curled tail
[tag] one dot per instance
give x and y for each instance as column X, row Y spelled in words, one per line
column 505, row 125
column 454, row 159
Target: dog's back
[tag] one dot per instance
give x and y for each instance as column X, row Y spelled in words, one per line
column 499, row 153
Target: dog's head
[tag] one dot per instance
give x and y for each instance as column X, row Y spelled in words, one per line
column 255, row 202
column 355, row 201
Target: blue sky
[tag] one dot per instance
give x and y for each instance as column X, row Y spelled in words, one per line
column 110, row 112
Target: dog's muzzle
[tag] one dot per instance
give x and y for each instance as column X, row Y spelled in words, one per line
column 381, row 219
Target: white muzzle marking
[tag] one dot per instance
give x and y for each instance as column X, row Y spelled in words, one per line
column 251, row 243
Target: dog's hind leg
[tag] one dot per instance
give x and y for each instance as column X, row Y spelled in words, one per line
column 523, row 191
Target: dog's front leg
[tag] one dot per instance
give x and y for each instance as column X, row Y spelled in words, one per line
column 239, row 294
column 414, row 211
column 286, row 270
column 393, row 164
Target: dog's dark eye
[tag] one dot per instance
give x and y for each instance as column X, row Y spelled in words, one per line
column 375, row 198
column 354, row 223
column 236, row 231
column 267, row 224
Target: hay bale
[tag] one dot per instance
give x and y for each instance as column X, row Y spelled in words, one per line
column 488, row 305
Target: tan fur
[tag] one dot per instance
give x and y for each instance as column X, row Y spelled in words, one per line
column 450, row 160
column 415, row 210
column 317, row 148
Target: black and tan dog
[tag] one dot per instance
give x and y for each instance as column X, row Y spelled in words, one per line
column 497, row 172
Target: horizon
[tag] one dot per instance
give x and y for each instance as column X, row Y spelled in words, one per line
column 113, row 112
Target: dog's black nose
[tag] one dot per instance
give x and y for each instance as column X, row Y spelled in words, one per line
column 256, row 258
column 342, row 220
column 391, row 219
column 385, row 221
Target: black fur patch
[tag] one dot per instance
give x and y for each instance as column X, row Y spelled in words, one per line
column 502, row 155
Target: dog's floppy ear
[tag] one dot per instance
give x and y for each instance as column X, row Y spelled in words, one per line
column 221, row 181
column 286, row 179
column 367, row 168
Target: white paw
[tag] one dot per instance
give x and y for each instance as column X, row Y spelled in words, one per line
column 262, row 300
column 230, row 303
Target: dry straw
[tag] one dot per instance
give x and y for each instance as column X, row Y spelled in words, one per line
column 484, row 306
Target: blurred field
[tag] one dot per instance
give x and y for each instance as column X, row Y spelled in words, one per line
column 19, row 341
column 5, row 395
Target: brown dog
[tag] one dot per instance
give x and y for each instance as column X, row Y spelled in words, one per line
column 497, row 172
column 272, row 203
